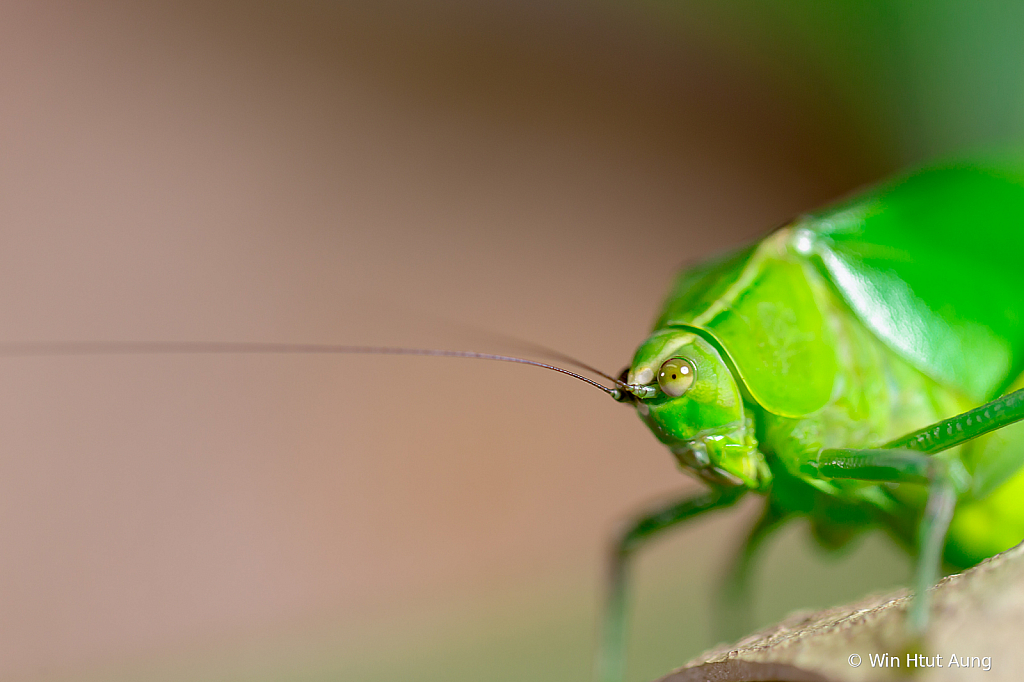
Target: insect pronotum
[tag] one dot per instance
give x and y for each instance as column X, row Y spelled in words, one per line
column 860, row 366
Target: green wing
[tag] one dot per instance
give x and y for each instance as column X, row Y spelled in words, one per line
column 932, row 264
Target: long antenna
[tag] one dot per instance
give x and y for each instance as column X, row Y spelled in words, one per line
column 62, row 348
column 558, row 355
column 546, row 352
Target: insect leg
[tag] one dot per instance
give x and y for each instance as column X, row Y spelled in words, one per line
column 906, row 466
column 732, row 617
column 961, row 428
column 611, row 659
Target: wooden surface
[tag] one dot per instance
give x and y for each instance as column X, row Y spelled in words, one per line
column 977, row 616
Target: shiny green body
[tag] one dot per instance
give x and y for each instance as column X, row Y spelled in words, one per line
column 848, row 328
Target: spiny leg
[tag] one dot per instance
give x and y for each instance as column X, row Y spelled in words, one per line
column 906, row 466
column 611, row 661
column 732, row 617
column 959, row 429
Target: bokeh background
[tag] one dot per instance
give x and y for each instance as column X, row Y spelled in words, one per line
column 430, row 174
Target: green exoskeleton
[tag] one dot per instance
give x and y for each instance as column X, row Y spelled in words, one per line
column 833, row 368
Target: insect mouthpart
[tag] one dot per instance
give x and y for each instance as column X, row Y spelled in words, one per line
column 633, row 393
column 693, row 456
column 630, row 393
column 640, row 391
column 696, row 460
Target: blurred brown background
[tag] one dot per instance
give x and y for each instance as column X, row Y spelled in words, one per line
column 395, row 174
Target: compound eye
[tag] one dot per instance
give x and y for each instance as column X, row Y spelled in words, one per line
column 676, row 376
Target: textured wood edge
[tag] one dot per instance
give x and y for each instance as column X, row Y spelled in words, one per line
column 737, row 669
column 975, row 614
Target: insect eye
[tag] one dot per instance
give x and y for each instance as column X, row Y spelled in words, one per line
column 676, row 376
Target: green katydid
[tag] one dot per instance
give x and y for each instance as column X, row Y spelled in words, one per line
column 833, row 368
